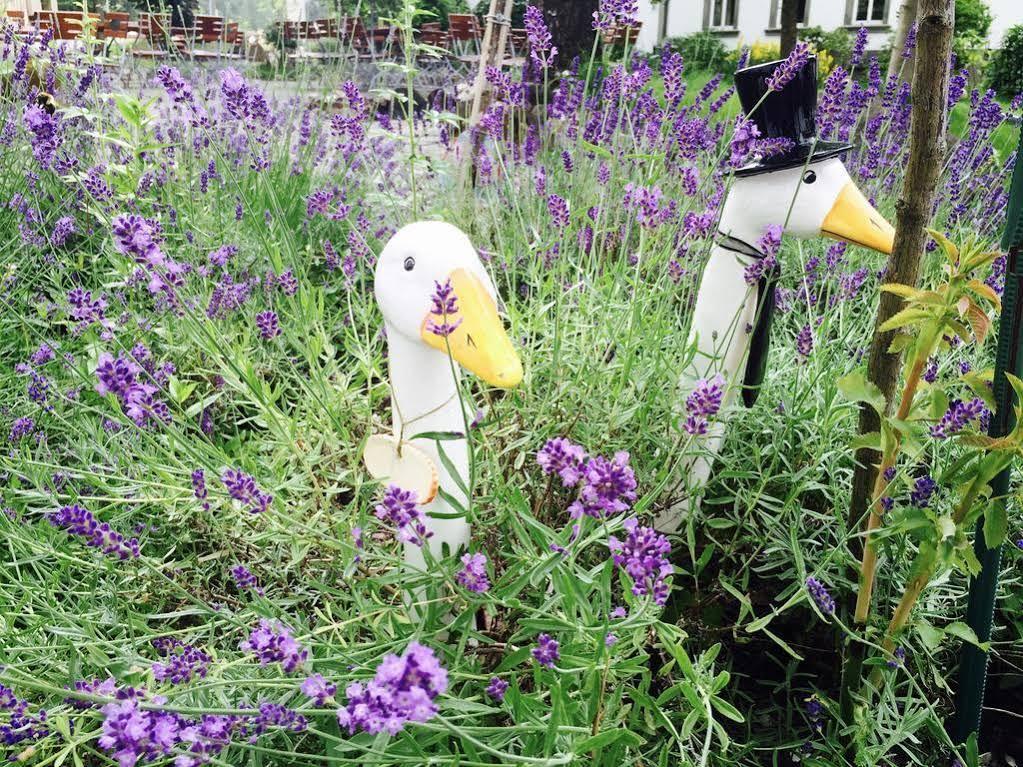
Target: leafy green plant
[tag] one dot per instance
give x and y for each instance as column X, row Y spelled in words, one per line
column 701, row 51
column 1005, row 74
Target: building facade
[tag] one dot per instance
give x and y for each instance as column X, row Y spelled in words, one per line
column 746, row 21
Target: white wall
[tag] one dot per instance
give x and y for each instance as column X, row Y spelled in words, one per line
column 1006, row 13
column 754, row 16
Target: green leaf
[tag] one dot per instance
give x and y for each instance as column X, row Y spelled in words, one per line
column 967, row 634
column 929, row 635
column 870, row 441
column 908, row 316
column 606, row 738
column 996, row 523
column 856, row 388
column 727, row 709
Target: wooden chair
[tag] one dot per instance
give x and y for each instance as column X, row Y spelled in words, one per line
column 353, row 37
column 152, row 32
column 621, row 35
column 19, row 19
column 466, row 35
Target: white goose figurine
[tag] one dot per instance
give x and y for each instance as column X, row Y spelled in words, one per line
column 424, row 396
column 809, row 192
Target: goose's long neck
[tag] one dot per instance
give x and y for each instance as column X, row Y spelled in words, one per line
column 424, row 398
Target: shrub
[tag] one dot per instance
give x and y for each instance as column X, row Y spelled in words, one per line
column 838, row 43
column 1006, row 71
column 970, row 45
column 701, row 51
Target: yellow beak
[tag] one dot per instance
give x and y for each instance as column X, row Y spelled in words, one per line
column 853, row 219
column 478, row 342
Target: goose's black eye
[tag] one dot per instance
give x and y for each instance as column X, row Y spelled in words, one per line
column 410, row 264
column 809, row 177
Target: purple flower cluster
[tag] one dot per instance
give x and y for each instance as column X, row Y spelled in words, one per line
column 319, row 689
column 564, row 458
column 44, row 129
column 183, row 661
column 119, row 376
column 473, row 575
column 644, row 556
column 244, row 580
column 646, row 202
column 268, row 325
column 820, row 595
column 497, row 688
column 605, row 486
column 804, row 343
column 445, row 308
column 703, row 403
column 199, row 488
column 769, row 244
column 608, row 487
column 79, row 521
column 541, row 52
column 22, row 725
column 241, row 487
column 788, row 69
column 272, row 642
column 400, row 509
column 960, row 415
column 923, row 489
column 403, row 690
column 557, row 207
column 546, row 652
column 616, row 13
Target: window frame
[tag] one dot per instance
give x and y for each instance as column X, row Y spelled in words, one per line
column 708, row 13
column 852, row 9
column 775, row 19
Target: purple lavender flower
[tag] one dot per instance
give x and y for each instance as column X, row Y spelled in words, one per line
column 820, row 595
column 541, row 52
column 899, row 658
column 646, row 202
column 199, row 488
column 268, row 324
column 608, row 487
column 445, row 308
column 22, row 725
column 497, row 688
column 272, row 642
column 546, row 651
column 616, row 13
column 910, row 43
column 473, row 575
column 222, row 255
column 703, row 403
column 79, row 521
column 318, row 689
column 557, row 206
column 403, row 690
column 244, row 579
column 183, row 661
column 788, row 69
column 644, row 556
column 21, row 428
column 858, row 47
column 44, row 129
column 243, row 488
column 62, row 231
column 923, row 489
column 804, row 343
column 959, row 415
column 564, row 458
column 400, row 509
column 610, row 640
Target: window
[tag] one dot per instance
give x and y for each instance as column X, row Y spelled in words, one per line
column 871, row 10
column 722, row 14
column 802, row 6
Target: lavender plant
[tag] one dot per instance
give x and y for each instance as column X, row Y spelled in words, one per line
column 196, row 568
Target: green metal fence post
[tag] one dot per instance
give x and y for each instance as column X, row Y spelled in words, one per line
column 981, row 605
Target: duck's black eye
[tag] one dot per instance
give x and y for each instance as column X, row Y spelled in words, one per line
column 809, row 177
column 410, row 264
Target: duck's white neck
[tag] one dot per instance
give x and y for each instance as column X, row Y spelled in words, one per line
column 735, row 224
column 424, row 398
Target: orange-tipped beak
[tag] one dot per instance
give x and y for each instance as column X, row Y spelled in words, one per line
column 478, row 342
column 855, row 220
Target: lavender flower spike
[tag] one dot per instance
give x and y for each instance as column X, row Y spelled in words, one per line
column 789, row 68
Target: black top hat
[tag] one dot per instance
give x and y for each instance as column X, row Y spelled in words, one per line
column 789, row 113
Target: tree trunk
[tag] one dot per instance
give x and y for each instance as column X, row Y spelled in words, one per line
column 662, row 22
column 571, row 25
column 913, row 210
column 905, row 18
column 789, row 20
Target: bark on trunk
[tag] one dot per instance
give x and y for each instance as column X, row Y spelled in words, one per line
column 926, row 154
column 571, row 25
column 906, row 16
column 936, row 20
column 789, row 20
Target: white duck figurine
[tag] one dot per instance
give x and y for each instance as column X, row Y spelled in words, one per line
column 424, row 394
column 809, row 192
